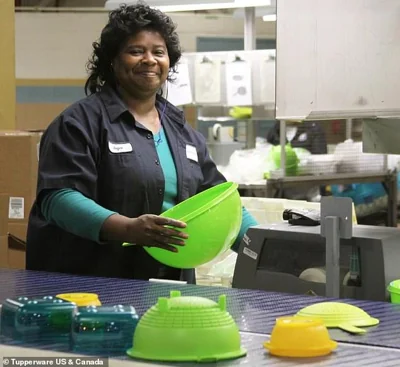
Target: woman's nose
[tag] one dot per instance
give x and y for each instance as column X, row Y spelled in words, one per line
column 148, row 58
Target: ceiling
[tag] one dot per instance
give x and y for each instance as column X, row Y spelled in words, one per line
column 99, row 4
column 63, row 5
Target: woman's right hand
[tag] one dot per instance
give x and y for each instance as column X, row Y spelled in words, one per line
column 155, row 231
column 147, row 230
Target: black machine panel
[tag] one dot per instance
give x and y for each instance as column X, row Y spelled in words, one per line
column 281, row 258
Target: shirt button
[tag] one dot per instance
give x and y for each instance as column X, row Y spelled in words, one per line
column 157, row 162
column 160, row 191
column 149, row 136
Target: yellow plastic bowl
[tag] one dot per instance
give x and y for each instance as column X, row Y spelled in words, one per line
column 213, row 218
column 300, row 337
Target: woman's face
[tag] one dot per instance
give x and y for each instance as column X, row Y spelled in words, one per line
column 142, row 65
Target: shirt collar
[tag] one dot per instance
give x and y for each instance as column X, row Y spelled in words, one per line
column 167, row 109
column 116, row 107
column 113, row 103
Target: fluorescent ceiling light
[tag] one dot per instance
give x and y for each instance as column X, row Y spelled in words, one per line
column 192, row 5
column 260, row 11
column 269, row 18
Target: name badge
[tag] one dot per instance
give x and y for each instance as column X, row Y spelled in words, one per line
column 120, row 147
column 191, row 153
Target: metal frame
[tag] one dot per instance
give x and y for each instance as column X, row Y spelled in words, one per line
column 273, row 188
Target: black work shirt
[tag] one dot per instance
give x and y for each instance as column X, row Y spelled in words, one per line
column 97, row 148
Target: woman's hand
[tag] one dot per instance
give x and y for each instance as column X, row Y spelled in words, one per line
column 146, row 230
column 151, row 230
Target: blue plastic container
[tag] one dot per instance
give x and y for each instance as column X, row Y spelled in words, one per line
column 105, row 330
column 37, row 319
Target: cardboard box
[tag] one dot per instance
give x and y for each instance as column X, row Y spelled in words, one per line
column 37, row 116
column 18, row 230
column 16, row 252
column 3, row 251
column 3, row 214
column 18, row 166
column 12, row 239
column 3, row 231
column 19, row 157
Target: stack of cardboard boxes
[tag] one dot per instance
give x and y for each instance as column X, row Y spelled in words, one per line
column 19, row 156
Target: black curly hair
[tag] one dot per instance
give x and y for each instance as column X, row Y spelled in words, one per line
column 123, row 23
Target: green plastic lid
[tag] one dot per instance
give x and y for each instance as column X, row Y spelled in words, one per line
column 187, row 329
column 339, row 315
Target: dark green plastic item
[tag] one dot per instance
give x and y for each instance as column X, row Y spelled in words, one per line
column 187, row 329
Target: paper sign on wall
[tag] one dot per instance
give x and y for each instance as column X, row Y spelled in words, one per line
column 208, row 81
column 16, row 208
column 238, row 83
column 179, row 91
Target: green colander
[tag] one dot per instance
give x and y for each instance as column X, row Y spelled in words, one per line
column 339, row 315
column 213, row 218
column 187, row 329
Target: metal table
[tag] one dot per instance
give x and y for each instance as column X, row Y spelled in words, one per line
column 254, row 312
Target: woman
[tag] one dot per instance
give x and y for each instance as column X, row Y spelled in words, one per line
column 112, row 162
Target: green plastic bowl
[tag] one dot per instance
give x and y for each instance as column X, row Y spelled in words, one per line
column 394, row 290
column 187, row 329
column 213, row 218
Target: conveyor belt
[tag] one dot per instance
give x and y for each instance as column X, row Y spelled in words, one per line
column 344, row 356
column 254, row 311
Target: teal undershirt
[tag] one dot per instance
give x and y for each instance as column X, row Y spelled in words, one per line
column 168, row 167
column 75, row 213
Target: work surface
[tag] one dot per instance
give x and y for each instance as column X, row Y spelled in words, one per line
column 257, row 356
column 255, row 313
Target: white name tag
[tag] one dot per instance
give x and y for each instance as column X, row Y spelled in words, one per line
column 191, row 153
column 120, row 147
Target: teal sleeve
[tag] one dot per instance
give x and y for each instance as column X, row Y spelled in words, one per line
column 75, row 213
column 247, row 221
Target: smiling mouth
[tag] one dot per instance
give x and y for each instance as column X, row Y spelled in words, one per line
column 148, row 73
